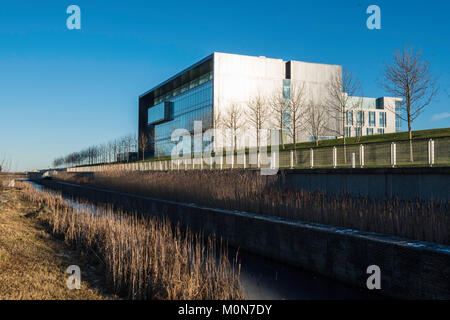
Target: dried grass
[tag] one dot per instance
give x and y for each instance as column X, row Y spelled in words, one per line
column 145, row 258
column 249, row 191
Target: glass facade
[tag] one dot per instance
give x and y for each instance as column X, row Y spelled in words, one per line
column 195, row 104
column 156, row 113
column 186, row 87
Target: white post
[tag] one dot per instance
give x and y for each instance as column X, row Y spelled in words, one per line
column 291, row 162
column 431, row 152
column 361, row 155
column 185, row 164
column 178, row 164
column 210, row 163
column 245, row 160
column 353, row 160
column 334, row 157
column 258, row 155
column 393, row 154
column 221, row 163
column 311, row 157
column 232, row 160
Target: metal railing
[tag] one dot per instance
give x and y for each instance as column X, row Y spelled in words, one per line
column 425, row 152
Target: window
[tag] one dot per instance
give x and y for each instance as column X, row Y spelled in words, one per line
column 379, row 103
column 369, row 131
column 180, row 112
column 348, row 132
column 383, row 119
column 286, row 88
column 360, row 118
column 156, row 113
column 349, row 118
column 398, row 112
column 372, row 118
column 380, row 131
column 358, row 132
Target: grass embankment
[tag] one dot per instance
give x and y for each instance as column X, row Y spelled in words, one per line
column 386, row 137
column 251, row 192
column 33, row 263
column 143, row 258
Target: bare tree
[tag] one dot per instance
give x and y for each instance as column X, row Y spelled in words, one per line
column 316, row 119
column 257, row 114
column 143, row 141
column 297, row 110
column 409, row 76
column 341, row 89
column 279, row 105
column 233, row 120
column 5, row 164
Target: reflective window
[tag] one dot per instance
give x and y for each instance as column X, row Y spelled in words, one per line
column 360, row 118
column 187, row 86
column 383, row 119
column 372, row 118
column 192, row 105
column 349, row 118
column 398, row 120
column 348, row 131
column 156, row 113
column 286, row 88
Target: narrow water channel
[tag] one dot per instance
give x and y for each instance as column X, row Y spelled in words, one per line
column 264, row 278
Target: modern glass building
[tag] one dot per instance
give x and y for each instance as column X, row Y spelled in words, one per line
column 176, row 103
column 207, row 90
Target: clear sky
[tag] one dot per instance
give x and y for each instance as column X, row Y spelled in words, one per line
column 62, row 90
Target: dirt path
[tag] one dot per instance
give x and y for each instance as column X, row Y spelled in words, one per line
column 33, row 263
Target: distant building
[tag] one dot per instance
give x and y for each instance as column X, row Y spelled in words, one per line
column 375, row 116
column 211, row 85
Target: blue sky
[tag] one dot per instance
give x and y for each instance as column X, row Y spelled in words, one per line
column 62, row 90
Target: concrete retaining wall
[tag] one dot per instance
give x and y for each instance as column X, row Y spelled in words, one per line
column 409, row 269
column 382, row 183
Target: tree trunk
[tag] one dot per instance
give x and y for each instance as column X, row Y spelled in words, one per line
column 411, row 156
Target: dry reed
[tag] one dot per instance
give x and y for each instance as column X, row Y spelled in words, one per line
column 249, row 191
column 144, row 258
